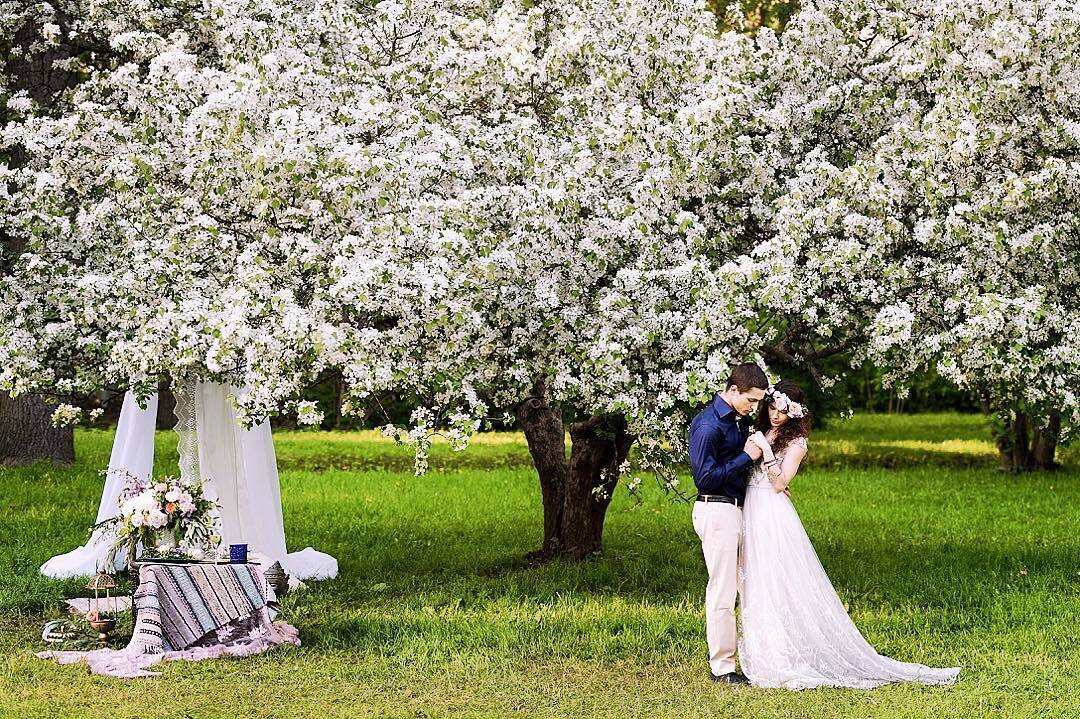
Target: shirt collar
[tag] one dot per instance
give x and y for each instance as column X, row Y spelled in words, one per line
column 722, row 408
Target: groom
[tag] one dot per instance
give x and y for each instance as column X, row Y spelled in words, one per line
column 721, row 457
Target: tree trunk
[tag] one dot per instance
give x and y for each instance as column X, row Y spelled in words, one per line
column 1013, row 442
column 42, row 73
column 544, row 432
column 1045, row 443
column 576, row 492
column 27, row 434
column 598, row 447
column 26, row 431
column 342, row 390
column 1022, row 446
column 166, row 407
column 869, row 390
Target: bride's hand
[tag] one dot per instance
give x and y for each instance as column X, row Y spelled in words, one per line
column 759, row 439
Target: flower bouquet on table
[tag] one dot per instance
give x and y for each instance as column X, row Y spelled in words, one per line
column 168, row 518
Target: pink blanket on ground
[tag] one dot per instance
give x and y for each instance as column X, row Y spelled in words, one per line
column 190, row 612
column 132, row 662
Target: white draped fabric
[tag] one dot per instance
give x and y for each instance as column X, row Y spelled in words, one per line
column 796, row 633
column 240, row 464
column 132, row 453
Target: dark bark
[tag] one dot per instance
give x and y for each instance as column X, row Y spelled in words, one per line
column 1023, row 445
column 545, row 434
column 166, row 408
column 1045, row 443
column 1012, row 441
column 27, row 434
column 342, row 392
column 598, row 446
column 576, row 492
column 26, row 431
column 1024, row 442
column 41, row 74
column 1021, row 442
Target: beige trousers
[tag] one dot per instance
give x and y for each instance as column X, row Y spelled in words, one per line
column 719, row 525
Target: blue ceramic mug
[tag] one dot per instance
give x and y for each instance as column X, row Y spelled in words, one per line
column 238, row 553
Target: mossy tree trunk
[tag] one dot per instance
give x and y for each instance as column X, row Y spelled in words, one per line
column 576, row 491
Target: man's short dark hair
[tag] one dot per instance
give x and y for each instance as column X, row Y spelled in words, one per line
column 747, row 377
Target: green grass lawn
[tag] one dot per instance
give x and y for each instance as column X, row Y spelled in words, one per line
column 940, row 559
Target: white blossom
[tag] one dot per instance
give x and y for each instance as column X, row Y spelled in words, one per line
column 66, row 414
column 308, row 413
column 607, row 196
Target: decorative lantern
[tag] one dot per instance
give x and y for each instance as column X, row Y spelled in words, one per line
column 102, row 622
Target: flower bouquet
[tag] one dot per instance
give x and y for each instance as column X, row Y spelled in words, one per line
column 168, row 517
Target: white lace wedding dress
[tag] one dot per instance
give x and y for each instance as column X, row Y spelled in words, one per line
column 796, row 633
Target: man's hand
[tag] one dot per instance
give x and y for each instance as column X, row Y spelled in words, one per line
column 752, row 449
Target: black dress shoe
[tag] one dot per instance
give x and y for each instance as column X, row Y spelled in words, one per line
column 730, row 678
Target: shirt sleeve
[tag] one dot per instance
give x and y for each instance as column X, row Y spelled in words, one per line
column 711, row 473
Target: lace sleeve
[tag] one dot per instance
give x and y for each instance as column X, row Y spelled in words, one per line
column 801, row 442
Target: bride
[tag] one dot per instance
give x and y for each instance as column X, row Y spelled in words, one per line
column 795, row 631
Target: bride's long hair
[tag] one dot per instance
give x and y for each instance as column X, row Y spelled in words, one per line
column 795, row 426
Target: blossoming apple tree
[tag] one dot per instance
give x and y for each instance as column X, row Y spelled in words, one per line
column 930, row 220
column 573, row 262
column 496, row 207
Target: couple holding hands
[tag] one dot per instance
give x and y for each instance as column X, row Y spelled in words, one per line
column 795, row 632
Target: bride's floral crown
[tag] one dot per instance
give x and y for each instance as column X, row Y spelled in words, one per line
column 784, row 403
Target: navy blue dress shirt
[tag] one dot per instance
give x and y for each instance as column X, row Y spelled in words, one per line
column 717, row 459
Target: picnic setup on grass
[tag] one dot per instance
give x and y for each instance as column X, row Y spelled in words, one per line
column 205, row 551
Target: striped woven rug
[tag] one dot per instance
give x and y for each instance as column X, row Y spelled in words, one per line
column 178, row 604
